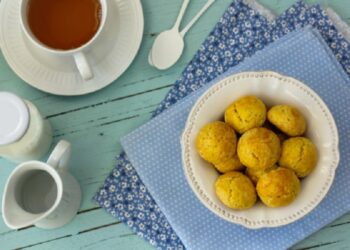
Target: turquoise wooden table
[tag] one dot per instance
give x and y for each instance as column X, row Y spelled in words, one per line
column 95, row 123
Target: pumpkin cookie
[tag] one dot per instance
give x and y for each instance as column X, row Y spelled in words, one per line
column 216, row 142
column 288, row 119
column 246, row 113
column 278, row 188
column 300, row 155
column 235, row 190
column 259, row 148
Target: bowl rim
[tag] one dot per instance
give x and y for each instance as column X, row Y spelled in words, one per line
column 202, row 196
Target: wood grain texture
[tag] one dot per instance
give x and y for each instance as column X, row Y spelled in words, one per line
column 95, row 123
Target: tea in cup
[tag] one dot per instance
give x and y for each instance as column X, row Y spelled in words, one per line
column 65, row 27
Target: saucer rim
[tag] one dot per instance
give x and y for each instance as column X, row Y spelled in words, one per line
column 95, row 86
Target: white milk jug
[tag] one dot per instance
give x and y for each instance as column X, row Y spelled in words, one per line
column 42, row 194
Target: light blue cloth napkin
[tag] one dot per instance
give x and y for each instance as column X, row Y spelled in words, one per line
column 154, row 150
column 240, row 32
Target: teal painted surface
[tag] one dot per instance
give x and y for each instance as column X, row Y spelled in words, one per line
column 95, row 123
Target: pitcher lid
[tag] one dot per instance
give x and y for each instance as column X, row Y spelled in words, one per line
column 14, row 115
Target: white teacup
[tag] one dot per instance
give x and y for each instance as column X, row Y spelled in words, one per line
column 42, row 194
column 79, row 54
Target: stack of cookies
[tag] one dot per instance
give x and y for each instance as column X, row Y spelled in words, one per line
column 259, row 153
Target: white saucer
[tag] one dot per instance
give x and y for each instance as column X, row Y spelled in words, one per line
column 109, row 59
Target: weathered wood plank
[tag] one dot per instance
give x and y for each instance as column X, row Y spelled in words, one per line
column 83, row 222
column 334, row 236
column 111, row 237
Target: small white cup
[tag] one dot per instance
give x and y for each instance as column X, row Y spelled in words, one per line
column 42, row 194
column 78, row 54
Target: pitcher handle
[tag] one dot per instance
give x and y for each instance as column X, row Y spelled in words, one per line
column 60, row 156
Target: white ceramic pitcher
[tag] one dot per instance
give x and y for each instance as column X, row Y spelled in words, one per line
column 42, row 194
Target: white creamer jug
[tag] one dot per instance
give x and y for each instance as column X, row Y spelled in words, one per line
column 42, row 194
column 24, row 134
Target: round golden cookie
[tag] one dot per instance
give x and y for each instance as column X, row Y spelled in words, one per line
column 255, row 174
column 288, row 119
column 278, row 188
column 216, row 142
column 246, row 113
column 300, row 155
column 232, row 164
column 259, row 148
column 235, row 190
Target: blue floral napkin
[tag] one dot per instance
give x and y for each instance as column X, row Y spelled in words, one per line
column 155, row 152
column 240, row 32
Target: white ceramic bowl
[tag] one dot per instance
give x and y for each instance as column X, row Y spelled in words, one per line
column 273, row 89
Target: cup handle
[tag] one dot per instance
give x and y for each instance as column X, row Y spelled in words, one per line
column 60, row 156
column 83, row 66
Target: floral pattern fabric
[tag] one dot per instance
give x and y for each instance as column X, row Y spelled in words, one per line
column 240, row 33
column 302, row 54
